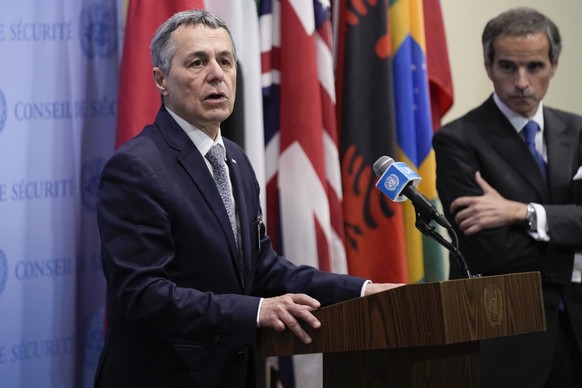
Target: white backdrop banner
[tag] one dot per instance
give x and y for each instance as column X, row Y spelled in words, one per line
column 58, row 101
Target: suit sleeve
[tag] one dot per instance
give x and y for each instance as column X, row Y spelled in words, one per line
column 275, row 275
column 565, row 224
column 504, row 249
column 565, row 220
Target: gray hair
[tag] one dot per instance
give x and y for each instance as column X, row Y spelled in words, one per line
column 163, row 49
column 520, row 22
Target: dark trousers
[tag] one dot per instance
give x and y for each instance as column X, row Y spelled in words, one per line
column 567, row 363
column 504, row 361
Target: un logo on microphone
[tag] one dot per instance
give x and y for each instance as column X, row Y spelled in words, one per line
column 98, row 31
column 391, row 183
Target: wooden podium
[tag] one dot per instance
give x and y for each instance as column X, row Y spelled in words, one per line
column 420, row 335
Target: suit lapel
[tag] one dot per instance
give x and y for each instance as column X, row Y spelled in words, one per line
column 196, row 167
column 193, row 162
column 236, row 179
column 512, row 148
column 561, row 150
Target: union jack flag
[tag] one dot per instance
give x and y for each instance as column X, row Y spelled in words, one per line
column 303, row 176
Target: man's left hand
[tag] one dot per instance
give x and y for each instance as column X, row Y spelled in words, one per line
column 487, row 211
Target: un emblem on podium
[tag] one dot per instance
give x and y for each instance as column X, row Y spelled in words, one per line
column 493, row 301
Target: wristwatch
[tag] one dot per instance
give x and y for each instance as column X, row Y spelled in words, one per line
column 532, row 218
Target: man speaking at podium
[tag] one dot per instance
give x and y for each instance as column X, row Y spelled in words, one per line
column 190, row 272
column 509, row 173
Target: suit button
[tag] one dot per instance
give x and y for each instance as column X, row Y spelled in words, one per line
column 241, row 356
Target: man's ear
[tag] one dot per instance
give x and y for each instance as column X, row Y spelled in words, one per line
column 160, row 80
column 488, row 69
column 554, row 67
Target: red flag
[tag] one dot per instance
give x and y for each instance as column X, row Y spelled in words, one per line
column 374, row 233
column 437, row 58
column 139, row 100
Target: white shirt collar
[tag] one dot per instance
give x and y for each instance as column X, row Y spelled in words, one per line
column 200, row 139
column 518, row 121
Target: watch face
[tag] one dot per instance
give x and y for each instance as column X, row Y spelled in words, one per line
column 531, row 218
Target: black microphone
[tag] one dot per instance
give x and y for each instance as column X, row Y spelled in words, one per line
column 404, row 186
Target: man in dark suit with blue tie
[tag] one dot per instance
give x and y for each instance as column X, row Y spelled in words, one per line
column 509, row 173
column 190, row 272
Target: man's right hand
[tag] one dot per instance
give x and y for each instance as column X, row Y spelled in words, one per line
column 283, row 312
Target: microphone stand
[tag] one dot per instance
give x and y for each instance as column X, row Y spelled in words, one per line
column 428, row 230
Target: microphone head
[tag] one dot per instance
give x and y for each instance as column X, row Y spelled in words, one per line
column 395, row 178
column 382, row 165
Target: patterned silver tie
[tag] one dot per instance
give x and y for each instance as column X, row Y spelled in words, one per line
column 216, row 158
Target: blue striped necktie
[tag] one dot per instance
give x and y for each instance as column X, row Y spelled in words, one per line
column 529, row 131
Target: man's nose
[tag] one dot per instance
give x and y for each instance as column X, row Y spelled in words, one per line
column 215, row 71
column 521, row 79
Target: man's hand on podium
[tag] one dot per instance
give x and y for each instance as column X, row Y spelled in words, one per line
column 285, row 311
column 281, row 312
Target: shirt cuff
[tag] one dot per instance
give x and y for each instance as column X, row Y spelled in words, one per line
column 577, row 271
column 259, row 312
column 363, row 291
column 541, row 233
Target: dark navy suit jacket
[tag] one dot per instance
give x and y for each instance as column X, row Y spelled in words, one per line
column 484, row 140
column 179, row 312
